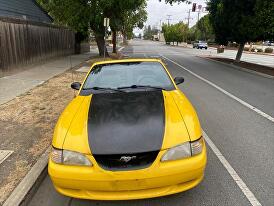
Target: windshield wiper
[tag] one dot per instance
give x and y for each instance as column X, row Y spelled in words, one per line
column 141, row 86
column 104, row 88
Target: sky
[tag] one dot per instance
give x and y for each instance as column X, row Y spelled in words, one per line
column 158, row 11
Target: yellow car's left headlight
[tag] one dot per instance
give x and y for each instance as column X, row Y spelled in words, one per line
column 68, row 157
column 184, row 150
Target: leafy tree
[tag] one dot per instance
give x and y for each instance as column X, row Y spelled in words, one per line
column 82, row 15
column 124, row 16
column 242, row 21
column 133, row 19
column 205, row 28
column 175, row 32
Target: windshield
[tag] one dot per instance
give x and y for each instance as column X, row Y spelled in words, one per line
column 127, row 74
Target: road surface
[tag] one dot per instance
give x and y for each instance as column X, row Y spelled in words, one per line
column 236, row 110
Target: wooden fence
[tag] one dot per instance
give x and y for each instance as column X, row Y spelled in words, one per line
column 23, row 42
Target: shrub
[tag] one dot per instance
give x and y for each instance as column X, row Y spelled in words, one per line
column 259, row 50
column 253, row 49
column 246, row 49
column 268, row 50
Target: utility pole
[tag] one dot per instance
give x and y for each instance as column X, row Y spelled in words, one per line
column 199, row 10
column 168, row 19
column 188, row 18
column 160, row 25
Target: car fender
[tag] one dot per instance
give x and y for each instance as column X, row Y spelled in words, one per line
column 188, row 114
column 64, row 121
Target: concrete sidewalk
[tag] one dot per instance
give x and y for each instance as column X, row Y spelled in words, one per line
column 19, row 83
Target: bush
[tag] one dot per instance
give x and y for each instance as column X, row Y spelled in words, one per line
column 246, row 49
column 259, row 50
column 268, row 50
column 253, row 49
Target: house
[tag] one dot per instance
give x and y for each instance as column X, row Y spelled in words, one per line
column 24, row 9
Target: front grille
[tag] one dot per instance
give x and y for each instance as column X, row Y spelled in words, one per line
column 126, row 161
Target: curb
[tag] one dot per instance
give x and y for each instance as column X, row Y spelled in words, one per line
column 240, row 68
column 27, row 187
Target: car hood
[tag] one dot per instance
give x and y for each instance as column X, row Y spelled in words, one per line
column 119, row 123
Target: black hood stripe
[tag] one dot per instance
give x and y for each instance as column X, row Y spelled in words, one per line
column 126, row 123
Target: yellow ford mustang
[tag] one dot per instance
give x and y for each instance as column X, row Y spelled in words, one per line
column 130, row 133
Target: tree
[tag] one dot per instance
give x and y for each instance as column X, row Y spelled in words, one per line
column 175, row 32
column 241, row 21
column 133, row 19
column 82, row 15
column 124, row 16
column 205, row 28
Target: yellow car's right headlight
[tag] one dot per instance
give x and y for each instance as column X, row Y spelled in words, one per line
column 184, row 150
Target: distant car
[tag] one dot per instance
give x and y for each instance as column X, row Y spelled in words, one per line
column 130, row 133
column 200, row 45
column 268, row 43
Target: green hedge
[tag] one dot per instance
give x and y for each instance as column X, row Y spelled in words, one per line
column 268, row 50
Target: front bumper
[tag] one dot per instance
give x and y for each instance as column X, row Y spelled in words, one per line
column 161, row 178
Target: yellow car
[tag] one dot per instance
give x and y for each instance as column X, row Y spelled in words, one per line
column 130, row 133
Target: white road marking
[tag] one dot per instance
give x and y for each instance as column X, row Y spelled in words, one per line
column 249, row 195
column 4, row 154
column 258, row 111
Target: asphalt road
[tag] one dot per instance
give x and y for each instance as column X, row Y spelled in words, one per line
column 236, row 110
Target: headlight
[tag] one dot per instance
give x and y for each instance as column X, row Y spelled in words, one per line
column 187, row 149
column 67, row 157
column 197, row 146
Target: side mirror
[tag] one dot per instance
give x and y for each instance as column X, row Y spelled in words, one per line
column 179, row 80
column 76, row 85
